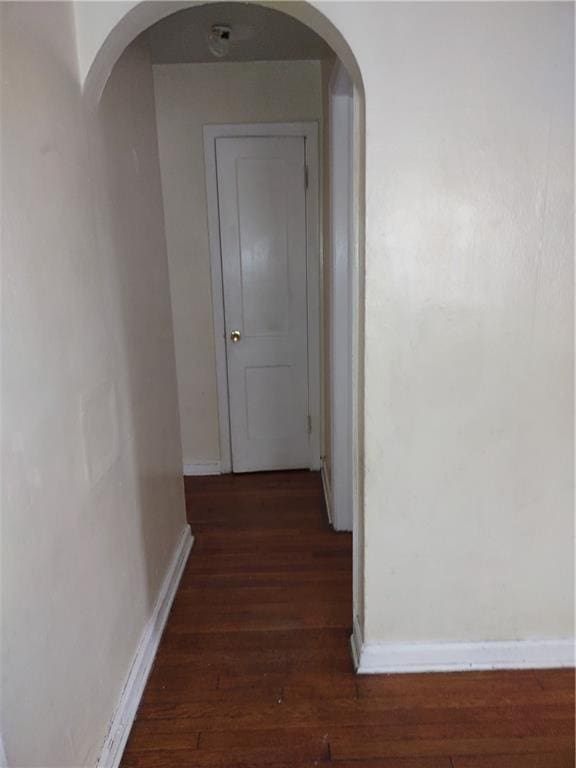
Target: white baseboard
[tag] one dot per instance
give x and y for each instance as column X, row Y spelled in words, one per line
column 123, row 718
column 207, row 468
column 393, row 658
column 327, row 492
column 356, row 643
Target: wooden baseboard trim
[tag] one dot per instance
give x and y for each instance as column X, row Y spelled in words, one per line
column 123, row 718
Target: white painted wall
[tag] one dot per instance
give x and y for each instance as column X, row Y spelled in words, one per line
column 468, row 458
column 189, row 96
column 469, row 318
column 343, row 256
column 92, row 502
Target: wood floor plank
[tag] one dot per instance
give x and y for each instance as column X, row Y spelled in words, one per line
column 542, row 760
column 515, row 681
column 168, row 739
column 363, row 743
column 316, row 739
column 281, row 578
column 396, row 762
column 306, row 688
column 293, row 757
column 190, row 697
column 274, row 718
column 291, row 642
column 221, row 599
column 269, row 616
column 556, row 679
column 254, row 667
column 177, row 680
column 470, row 698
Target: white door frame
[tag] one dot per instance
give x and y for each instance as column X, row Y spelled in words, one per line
column 342, row 289
column 309, row 132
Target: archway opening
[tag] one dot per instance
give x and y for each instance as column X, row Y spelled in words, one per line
column 185, row 34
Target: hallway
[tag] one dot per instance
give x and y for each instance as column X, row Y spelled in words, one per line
column 254, row 668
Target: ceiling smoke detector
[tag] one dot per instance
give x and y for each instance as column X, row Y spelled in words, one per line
column 219, row 40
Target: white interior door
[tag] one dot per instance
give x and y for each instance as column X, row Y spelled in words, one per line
column 262, row 214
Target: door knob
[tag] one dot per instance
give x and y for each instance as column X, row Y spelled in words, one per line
column 235, row 336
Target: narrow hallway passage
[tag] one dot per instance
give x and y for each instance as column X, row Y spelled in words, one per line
column 254, row 668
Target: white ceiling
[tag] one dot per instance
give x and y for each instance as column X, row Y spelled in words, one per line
column 258, row 34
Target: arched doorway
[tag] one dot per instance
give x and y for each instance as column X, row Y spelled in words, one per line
column 104, row 32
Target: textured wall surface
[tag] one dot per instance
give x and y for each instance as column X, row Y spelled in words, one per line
column 468, row 456
column 92, row 502
column 469, row 318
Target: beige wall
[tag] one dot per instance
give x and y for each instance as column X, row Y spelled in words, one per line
column 189, row 96
column 469, row 318
column 468, row 353
column 92, row 502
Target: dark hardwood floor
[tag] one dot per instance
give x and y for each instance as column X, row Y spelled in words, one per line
column 254, row 667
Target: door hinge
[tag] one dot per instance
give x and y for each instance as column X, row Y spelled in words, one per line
column 305, row 177
column 309, row 424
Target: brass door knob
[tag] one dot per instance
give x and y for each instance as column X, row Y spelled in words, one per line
column 235, row 336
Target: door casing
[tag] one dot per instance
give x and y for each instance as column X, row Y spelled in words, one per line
column 309, row 131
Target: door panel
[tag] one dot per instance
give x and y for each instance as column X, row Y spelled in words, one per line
column 263, row 224
column 262, row 209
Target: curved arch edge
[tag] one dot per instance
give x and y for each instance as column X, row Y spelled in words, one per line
column 104, row 30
